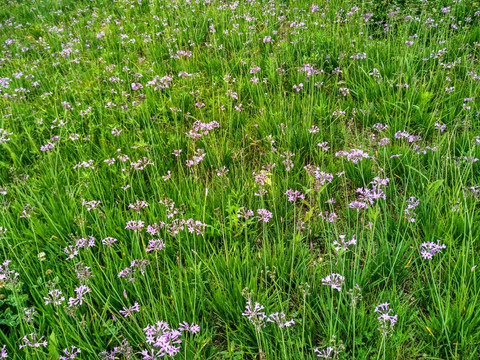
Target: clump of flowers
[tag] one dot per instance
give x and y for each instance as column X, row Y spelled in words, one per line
column 82, row 243
column 413, row 202
column 429, row 249
column 294, row 195
column 367, row 197
column 255, row 314
column 164, row 340
column 280, row 319
column 70, row 354
column 4, row 136
column 342, row 245
column 331, row 352
column 200, row 129
column 264, row 215
column 334, row 280
column 354, row 155
column 31, row 341
column 386, row 320
column 8, row 276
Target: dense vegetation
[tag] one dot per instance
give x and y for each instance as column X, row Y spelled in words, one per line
column 239, row 180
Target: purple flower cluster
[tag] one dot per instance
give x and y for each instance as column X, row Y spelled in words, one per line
column 342, row 245
column 335, row 281
column 164, row 340
column 354, row 155
column 429, row 249
column 386, row 320
column 294, row 195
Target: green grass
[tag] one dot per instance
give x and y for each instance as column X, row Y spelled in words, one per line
column 67, row 69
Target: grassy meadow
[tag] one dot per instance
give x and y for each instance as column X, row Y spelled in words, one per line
column 206, row 179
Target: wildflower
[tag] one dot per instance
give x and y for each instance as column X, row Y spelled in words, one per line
column 4, row 136
column 325, row 353
column 31, row 341
column 168, row 176
column 193, row 328
column 54, row 297
column 264, row 215
column 29, row 313
column 413, row 202
column 155, row 245
column 358, row 205
column 440, row 127
column 294, row 195
column 322, row 177
column 324, row 146
column 386, row 320
column 343, row 245
column 84, row 164
column 429, row 249
column 134, row 225
column 142, row 163
column 354, row 155
column 70, row 355
column 48, row 146
column 109, row 241
column 7, row 275
column 369, row 196
column 159, row 335
column 90, row 205
column 78, row 300
column 128, row 274
column 195, row 226
column 328, row 216
column 128, row 311
column 287, row 162
column 334, row 280
column 280, row 320
column 116, row 132
column 255, row 315
column 197, row 158
column 380, row 126
column 140, row 264
column 222, row 171
column 138, row 206
column 3, row 353
column 200, row 129
column 83, row 272
column 246, row 214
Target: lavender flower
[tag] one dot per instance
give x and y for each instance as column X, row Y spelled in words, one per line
column 246, row 214
column 413, row 202
column 294, row 195
column 70, row 354
column 342, row 245
column 184, row 326
column 54, row 297
column 386, row 320
column 325, row 353
column 255, row 314
column 7, row 275
column 31, row 341
column 264, row 215
column 429, row 249
column 78, row 300
column 163, row 338
column 334, row 280
column 128, row 311
column 155, row 245
column 280, row 320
